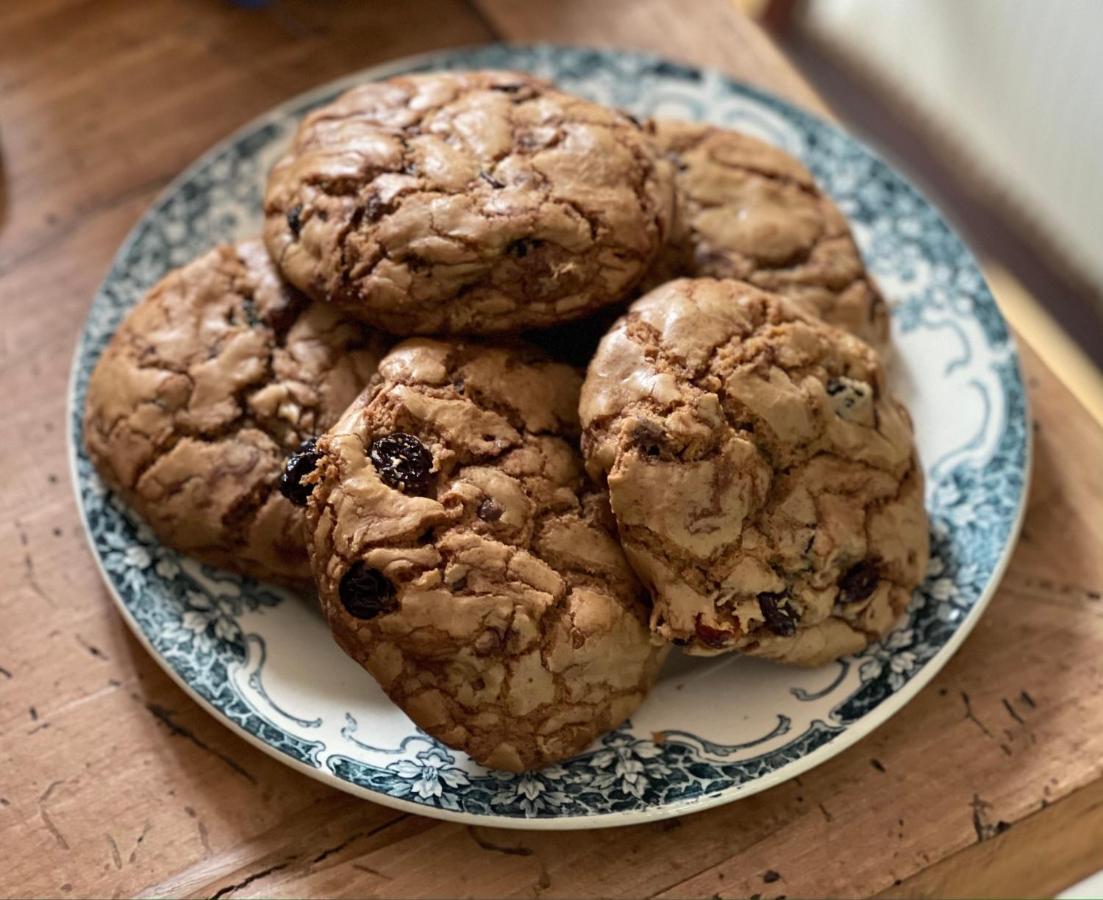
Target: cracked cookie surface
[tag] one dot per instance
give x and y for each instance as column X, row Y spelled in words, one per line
column 467, row 203
column 217, row 374
column 764, row 482
column 465, row 560
column 750, row 211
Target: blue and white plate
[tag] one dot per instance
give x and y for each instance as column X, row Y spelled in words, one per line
column 713, row 730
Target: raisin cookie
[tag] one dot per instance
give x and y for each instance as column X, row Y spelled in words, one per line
column 467, row 203
column 210, row 381
column 750, row 211
column 464, row 559
column 764, row 481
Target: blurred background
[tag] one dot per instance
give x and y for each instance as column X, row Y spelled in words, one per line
column 995, row 109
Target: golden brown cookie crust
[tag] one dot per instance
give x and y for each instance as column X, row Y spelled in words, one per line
column 499, row 611
column 209, row 382
column 764, row 481
column 471, row 203
column 750, row 211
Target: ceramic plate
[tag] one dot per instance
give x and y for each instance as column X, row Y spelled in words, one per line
column 713, row 730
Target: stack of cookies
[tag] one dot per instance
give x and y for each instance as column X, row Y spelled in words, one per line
column 382, row 403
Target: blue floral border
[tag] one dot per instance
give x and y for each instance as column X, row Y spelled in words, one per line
column 189, row 613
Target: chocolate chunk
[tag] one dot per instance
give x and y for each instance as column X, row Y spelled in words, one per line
column 366, row 593
column 780, row 614
column 402, row 462
column 297, row 467
column 859, row 582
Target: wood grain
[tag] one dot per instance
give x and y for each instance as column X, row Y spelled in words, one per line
column 114, row 783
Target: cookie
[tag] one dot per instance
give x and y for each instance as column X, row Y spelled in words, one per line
column 217, row 375
column 467, row 203
column 463, row 558
column 764, row 481
column 748, row 210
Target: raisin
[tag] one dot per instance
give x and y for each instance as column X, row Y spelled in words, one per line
column 711, row 637
column 858, row 582
column 521, row 247
column 506, row 88
column 402, row 462
column 366, row 593
column 488, row 510
column 780, row 615
column 297, row 467
column 294, row 220
column 373, row 207
column 489, row 643
column 631, row 118
column 834, row 386
column 491, row 180
column 648, row 437
column 249, row 310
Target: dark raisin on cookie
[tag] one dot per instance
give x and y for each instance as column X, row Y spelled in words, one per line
column 859, row 582
column 521, row 247
column 780, row 615
column 298, row 466
column 711, row 637
column 402, row 462
column 649, row 438
column 488, row 510
column 373, row 208
column 491, row 180
column 249, row 310
column 294, row 219
column 366, row 593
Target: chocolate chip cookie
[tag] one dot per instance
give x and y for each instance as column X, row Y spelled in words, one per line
column 468, row 203
column 748, row 210
column 764, row 481
column 218, row 374
column 465, row 560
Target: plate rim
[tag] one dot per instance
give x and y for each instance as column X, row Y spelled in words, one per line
column 854, row 732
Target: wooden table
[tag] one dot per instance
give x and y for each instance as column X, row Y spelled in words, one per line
column 113, row 782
